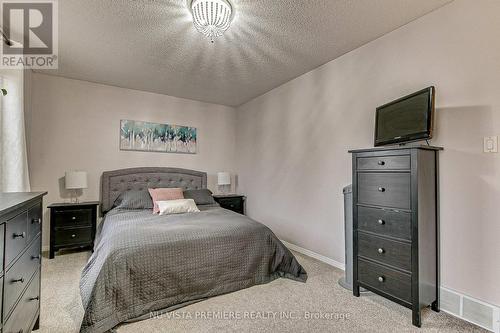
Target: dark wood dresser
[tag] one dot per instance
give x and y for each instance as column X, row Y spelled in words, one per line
column 234, row 202
column 395, row 225
column 20, row 227
column 72, row 225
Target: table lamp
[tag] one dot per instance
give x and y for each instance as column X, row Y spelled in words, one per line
column 75, row 180
column 224, row 181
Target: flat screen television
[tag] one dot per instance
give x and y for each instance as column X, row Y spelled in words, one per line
column 410, row 118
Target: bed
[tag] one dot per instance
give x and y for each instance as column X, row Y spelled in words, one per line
column 144, row 262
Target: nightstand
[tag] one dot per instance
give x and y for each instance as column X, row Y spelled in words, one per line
column 233, row 202
column 72, row 225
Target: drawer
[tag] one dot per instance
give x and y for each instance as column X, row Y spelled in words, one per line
column 384, row 189
column 34, row 221
column 384, row 279
column 384, row 163
column 384, row 250
column 73, row 236
column 2, row 238
column 23, row 316
column 16, row 231
column 18, row 275
column 1, row 296
column 71, row 218
column 385, row 222
column 232, row 204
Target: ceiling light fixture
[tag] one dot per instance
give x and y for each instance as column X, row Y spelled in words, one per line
column 211, row 17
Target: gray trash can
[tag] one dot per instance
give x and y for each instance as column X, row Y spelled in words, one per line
column 346, row 281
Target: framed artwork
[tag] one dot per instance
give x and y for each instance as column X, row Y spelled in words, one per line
column 164, row 138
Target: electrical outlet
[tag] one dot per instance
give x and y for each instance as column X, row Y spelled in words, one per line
column 490, row 144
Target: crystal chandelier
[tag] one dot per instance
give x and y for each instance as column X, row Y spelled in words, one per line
column 211, row 17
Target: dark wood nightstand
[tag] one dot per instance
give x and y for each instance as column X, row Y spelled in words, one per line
column 72, row 225
column 233, row 202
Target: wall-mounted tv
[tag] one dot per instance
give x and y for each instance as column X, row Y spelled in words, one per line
column 410, row 118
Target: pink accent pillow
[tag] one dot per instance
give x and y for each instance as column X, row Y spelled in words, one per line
column 164, row 194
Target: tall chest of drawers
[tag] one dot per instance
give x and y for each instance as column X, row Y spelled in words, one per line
column 20, row 251
column 395, row 225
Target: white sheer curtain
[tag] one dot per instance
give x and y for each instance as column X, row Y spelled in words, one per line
column 14, row 176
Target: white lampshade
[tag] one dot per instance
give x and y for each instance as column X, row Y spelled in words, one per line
column 223, row 178
column 75, row 180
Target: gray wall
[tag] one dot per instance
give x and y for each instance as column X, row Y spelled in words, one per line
column 295, row 139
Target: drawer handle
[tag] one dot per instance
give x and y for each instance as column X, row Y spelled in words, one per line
column 35, row 298
column 381, row 222
column 381, row 279
column 381, row 189
column 232, row 206
column 73, row 218
column 20, row 331
column 73, row 236
column 381, row 163
column 38, row 221
column 21, row 235
column 18, row 280
column 381, row 250
column 37, row 257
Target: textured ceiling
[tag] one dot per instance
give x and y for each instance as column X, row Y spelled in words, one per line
column 152, row 45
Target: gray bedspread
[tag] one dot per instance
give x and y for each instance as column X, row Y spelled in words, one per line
column 144, row 262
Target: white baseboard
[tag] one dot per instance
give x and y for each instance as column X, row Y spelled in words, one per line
column 314, row 255
column 477, row 312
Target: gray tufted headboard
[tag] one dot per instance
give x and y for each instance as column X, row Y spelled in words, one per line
column 113, row 183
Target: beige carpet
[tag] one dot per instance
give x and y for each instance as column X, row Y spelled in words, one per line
column 320, row 305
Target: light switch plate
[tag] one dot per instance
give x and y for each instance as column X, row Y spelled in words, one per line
column 490, row 144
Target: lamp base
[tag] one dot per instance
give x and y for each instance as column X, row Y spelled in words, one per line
column 224, row 189
column 74, row 197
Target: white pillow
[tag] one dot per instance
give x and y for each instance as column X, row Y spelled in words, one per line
column 177, row 206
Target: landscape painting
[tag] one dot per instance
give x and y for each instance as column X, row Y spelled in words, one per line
column 144, row 136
